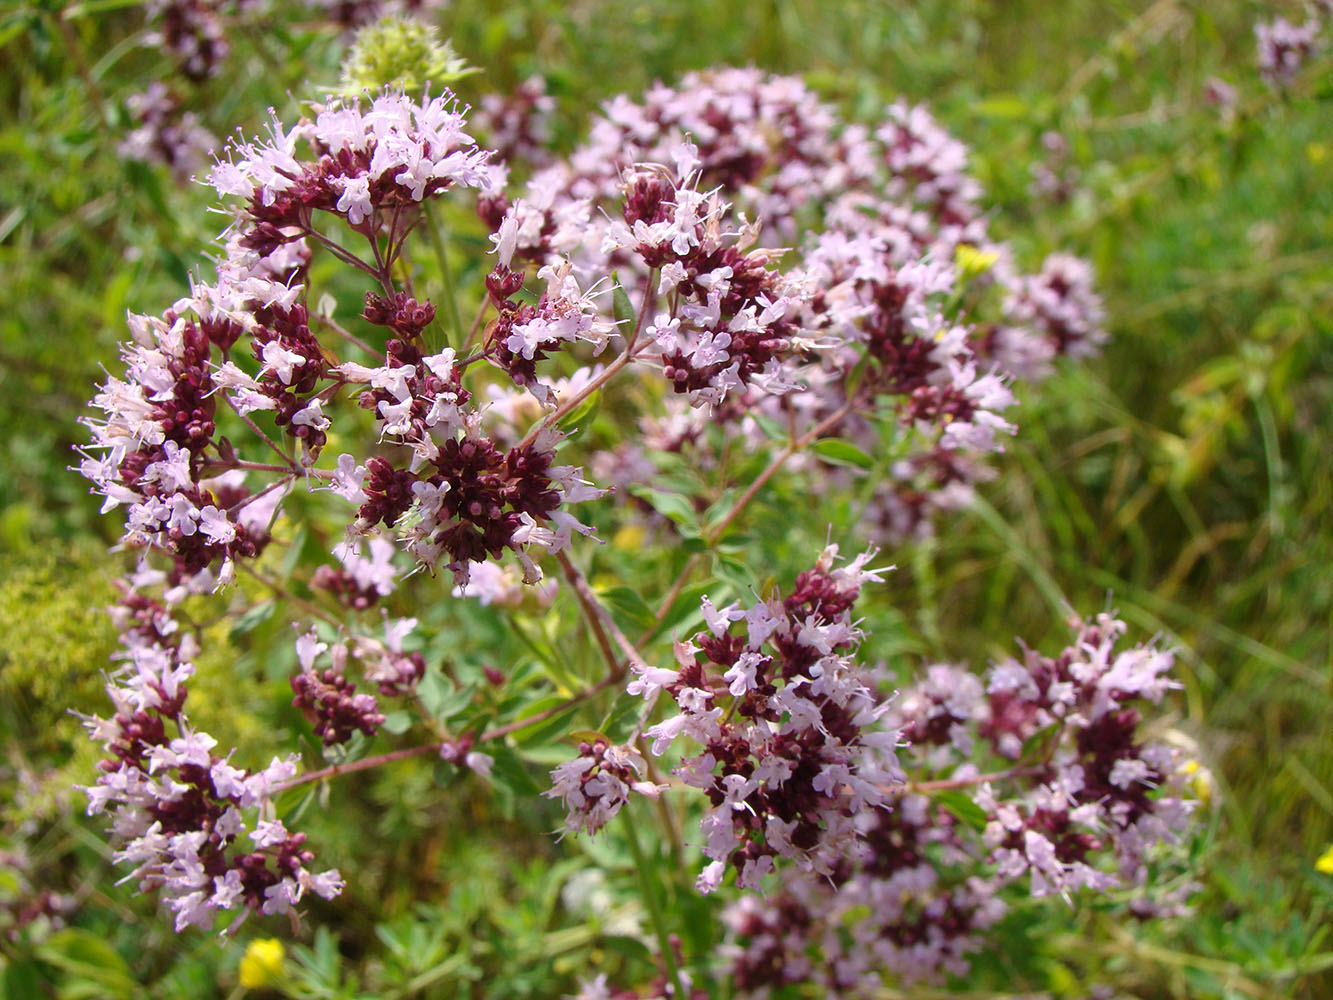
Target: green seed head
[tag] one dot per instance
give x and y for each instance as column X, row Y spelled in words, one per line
column 400, row 54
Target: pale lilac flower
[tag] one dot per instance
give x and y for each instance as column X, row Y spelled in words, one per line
column 595, row 784
column 1284, row 48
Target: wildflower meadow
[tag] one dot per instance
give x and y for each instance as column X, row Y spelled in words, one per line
column 672, row 500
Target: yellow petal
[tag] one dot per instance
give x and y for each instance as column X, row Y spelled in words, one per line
column 262, row 963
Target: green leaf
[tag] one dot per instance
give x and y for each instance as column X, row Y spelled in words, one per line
column 98, row 7
column 629, row 947
column 440, row 697
column 1002, row 106
column 83, row 954
column 546, row 755
column 622, row 308
column 304, row 797
column 686, row 605
column 672, row 505
column 344, row 753
column 145, row 179
column 721, row 508
column 771, row 428
column 253, row 618
column 577, row 420
column 547, row 729
column 628, row 607
column 10, row 28
column 736, row 573
column 550, row 661
column 836, row 451
column 962, row 808
column 292, row 558
column 510, row 772
column 397, row 722
column 858, row 373
column 622, row 718
column 451, row 965
column 322, row 961
column 21, row 979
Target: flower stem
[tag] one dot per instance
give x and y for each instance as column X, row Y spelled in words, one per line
column 648, row 884
column 820, row 429
column 588, row 605
column 588, row 599
column 343, row 332
column 498, row 733
column 954, row 784
column 476, row 323
column 437, row 244
column 632, row 350
column 720, row 529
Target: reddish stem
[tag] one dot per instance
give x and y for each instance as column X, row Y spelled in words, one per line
column 499, row 732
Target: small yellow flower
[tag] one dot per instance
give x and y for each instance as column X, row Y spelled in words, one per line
column 262, row 963
column 1325, row 863
column 1202, row 783
column 630, row 538
column 972, row 262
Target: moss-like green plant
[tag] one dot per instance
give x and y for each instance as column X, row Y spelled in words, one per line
column 58, row 641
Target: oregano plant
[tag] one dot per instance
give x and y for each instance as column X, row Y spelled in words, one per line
column 724, row 288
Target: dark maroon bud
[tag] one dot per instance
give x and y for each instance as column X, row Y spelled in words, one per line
column 502, row 284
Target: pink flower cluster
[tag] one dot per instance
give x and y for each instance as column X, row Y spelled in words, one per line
column 892, row 226
column 364, row 166
column 1285, row 48
column 888, row 308
column 355, row 13
column 328, row 699
column 730, row 323
column 518, row 125
column 1083, row 803
column 910, row 907
column 767, row 140
column 792, row 750
column 1061, row 306
column 525, row 335
column 596, row 783
column 149, row 453
column 1101, row 788
column 166, row 134
column 247, row 348
column 467, row 499
column 195, row 828
column 361, row 580
column 194, row 32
